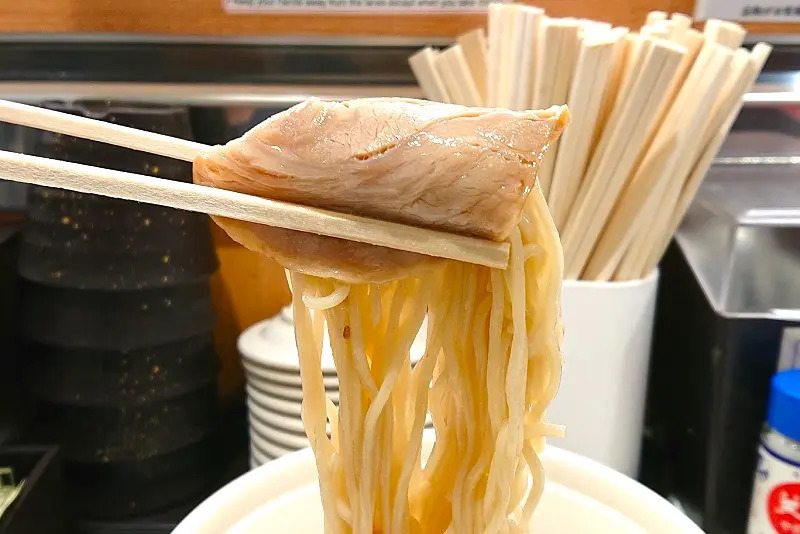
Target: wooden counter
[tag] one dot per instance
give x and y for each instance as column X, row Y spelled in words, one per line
column 206, row 17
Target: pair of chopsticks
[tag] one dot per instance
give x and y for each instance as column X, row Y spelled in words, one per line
column 218, row 202
column 651, row 109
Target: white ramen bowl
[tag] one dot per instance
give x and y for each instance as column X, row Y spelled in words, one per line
column 581, row 497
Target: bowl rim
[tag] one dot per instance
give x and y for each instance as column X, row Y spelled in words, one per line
column 247, row 494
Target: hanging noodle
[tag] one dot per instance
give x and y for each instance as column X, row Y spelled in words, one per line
column 491, row 366
column 492, row 360
column 332, row 299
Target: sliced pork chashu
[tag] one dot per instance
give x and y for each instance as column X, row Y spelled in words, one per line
column 442, row 166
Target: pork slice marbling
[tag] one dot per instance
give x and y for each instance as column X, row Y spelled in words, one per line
column 442, row 166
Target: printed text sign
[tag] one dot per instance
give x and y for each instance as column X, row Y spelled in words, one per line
column 749, row 10
column 365, row 6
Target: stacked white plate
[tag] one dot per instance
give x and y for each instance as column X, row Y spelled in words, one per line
column 274, row 392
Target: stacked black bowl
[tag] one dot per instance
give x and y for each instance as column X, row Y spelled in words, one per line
column 116, row 314
column 11, row 406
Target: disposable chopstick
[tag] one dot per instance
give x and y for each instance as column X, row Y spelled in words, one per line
column 666, row 25
column 423, row 65
column 692, row 116
column 729, row 110
column 495, row 22
column 641, row 47
column 635, row 257
column 589, row 26
column 683, row 95
column 460, row 67
column 623, row 151
column 696, row 110
column 684, row 101
column 728, row 34
column 449, row 75
column 632, row 155
column 569, row 30
column 567, row 57
column 513, row 56
column 685, row 104
column 511, row 25
column 673, row 108
column 548, row 64
column 473, row 45
column 635, row 202
column 223, row 203
column 680, row 25
column 619, row 57
column 453, row 68
column 591, row 76
column 528, row 45
column 693, row 40
column 655, row 16
column 658, row 31
column 64, row 123
column 638, row 50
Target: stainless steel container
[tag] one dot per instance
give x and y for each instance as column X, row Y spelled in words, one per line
column 729, row 304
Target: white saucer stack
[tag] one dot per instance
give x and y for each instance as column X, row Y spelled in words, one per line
column 274, row 392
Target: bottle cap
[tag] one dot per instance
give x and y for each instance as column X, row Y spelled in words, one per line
column 783, row 413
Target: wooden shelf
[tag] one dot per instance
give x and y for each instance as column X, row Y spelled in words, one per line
column 206, row 17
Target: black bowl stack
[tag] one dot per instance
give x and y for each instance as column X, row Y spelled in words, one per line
column 12, row 409
column 116, row 315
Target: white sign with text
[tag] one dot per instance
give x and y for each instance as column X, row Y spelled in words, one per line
column 366, row 6
column 749, row 10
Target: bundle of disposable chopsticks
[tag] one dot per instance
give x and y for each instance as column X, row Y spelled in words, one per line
column 650, row 109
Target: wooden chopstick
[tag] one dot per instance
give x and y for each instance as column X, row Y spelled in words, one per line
column 423, row 65
column 718, row 129
column 512, row 25
column 105, row 132
column 454, row 70
column 548, row 63
column 683, row 117
column 591, row 76
column 473, row 45
column 655, row 16
column 681, row 24
column 628, row 175
column 21, row 168
column 569, row 35
column 687, row 117
column 619, row 57
column 494, row 56
column 656, row 232
column 634, row 204
column 728, row 34
column 618, row 155
column 223, row 203
column 527, row 60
